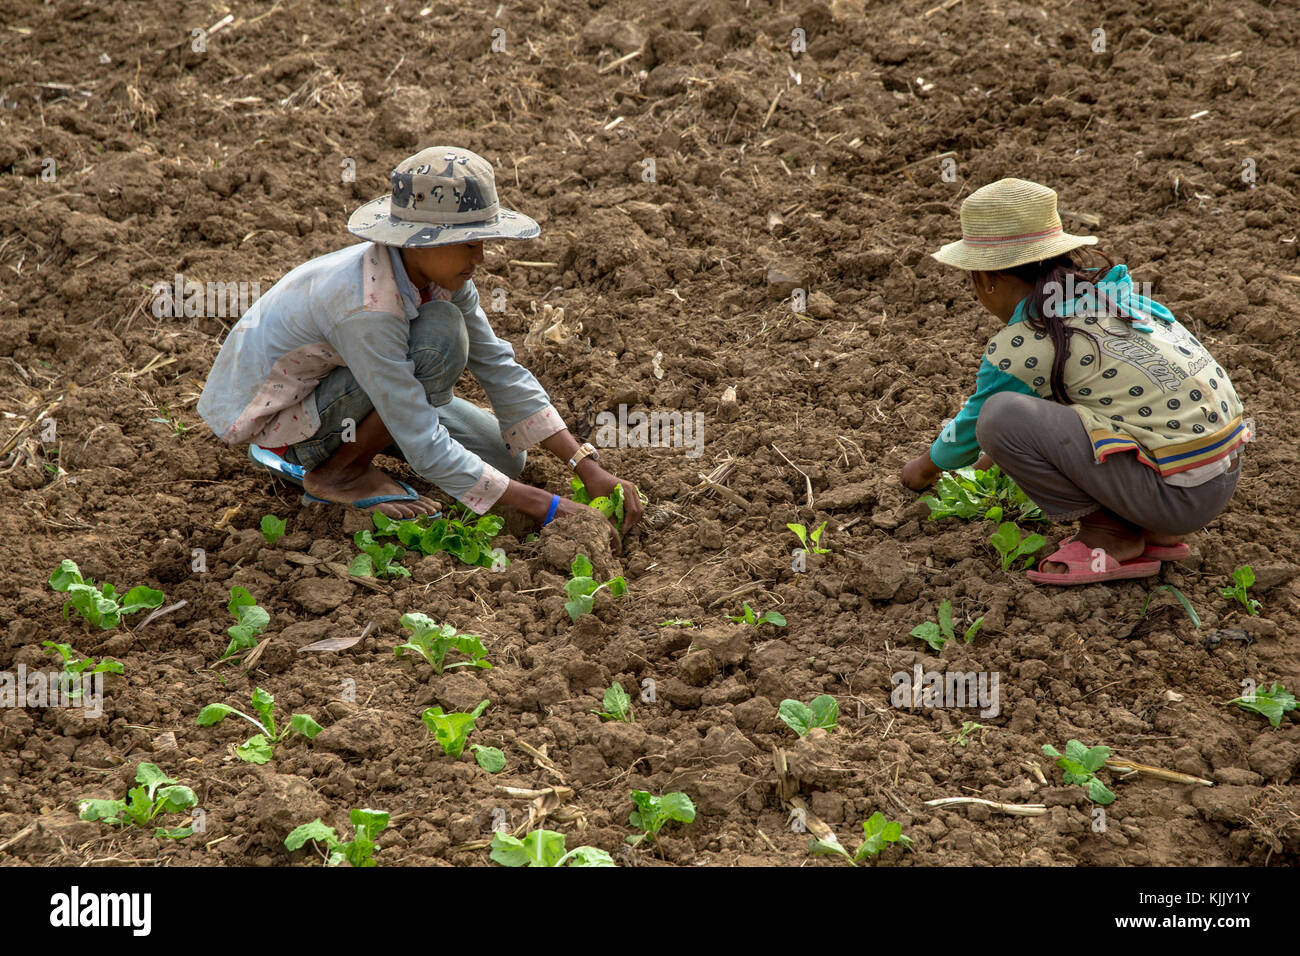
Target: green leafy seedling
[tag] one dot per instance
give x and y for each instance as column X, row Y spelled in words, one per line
column 878, row 833
column 260, row 747
column 100, row 607
column 272, row 528
column 937, row 635
column 468, row 540
column 747, row 616
column 1080, row 765
column 972, row 495
column 1242, row 580
column 811, row 543
column 962, row 737
column 156, row 794
column 544, row 848
column 652, row 813
column 433, row 641
column 618, row 705
column 676, row 622
column 75, row 668
column 491, row 759
column 250, row 621
column 452, row 730
column 1011, row 546
column 1182, row 599
column 359, row 851
column 612, row 506
column 582, row 587
column 375, row 559
column 823, row 711
column 1272, row 703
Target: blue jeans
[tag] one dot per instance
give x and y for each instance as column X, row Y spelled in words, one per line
column 439, row 350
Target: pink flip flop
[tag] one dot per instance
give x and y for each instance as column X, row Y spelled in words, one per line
column 1157, row 552
column 1078, row 558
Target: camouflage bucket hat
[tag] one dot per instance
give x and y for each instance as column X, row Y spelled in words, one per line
column 441, row 196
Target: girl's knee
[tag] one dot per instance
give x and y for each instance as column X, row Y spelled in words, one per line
column 998, row 415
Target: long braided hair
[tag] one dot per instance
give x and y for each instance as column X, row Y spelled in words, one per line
column 1049, row 278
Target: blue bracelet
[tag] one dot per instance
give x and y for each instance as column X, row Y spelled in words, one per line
column 550, row 514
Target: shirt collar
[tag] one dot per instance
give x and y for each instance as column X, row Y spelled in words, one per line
column 410, row 295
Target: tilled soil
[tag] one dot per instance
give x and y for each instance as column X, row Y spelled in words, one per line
column 823, row 170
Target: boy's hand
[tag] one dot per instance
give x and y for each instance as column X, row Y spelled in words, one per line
column 920, row 472
column 568, row 507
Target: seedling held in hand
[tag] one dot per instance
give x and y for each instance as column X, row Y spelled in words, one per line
column 156, row 795
column 260, row 747
column 100, row 608
column 937, row 635
column 1011, row 546
column 544, row 848
column 375, row 559
column 272, row 528
column 452, row 730
column 747, row 616
column 971, row 495
column 618, row 705
column 359, row 851
column 811, row 543
column 250, row 619
column 823, row 712
column 611, row 506
column 1272, row 703
column 74, row 667
column 1242, row 580
column 653, row 812
column 582, row 587
column 878, row 833
column 1080, row 764
column 433, row 641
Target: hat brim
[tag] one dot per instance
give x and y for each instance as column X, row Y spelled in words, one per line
column 973, row 258
column 375, row 222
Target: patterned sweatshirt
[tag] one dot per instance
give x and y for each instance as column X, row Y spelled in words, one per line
column 1150, row 387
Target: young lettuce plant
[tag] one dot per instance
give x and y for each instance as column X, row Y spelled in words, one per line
column 747, row 616
column 260, row 747
column 937, row 635
column 544, row 848
column 1272, row 703
column 618, row 705
column 100, row 607
column 582, row 587
column 1080, row 765
column 878, row 833
column 433, row 641
column 272, row 528
column 359, row 851
column 250, row 621
column 824, row 712
column 1242, row 580
column 74, row 667
column 156, row 794
column 811, row 543
column 471, row 543
column 1011, row 546
column 969, row 494
column 452, row 730
column 652, row 813
column 612, row 506
column 375, row 559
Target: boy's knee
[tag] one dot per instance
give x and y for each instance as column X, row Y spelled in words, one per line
column 439, row 342
column 516, row 463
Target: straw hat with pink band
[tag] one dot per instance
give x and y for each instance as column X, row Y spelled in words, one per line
column 1006, row 224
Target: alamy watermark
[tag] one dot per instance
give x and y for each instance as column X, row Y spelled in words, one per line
column 924, row 688
column 1097, row 299
column 650, row 430
column 212, row 300
column 52, row 689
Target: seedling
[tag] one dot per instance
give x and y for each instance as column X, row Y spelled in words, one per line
column 491, row 759
column 970, row 495
column 676, row 622
column 272, row 528
column 582, row 588
column 748, row 616
column 1080, row 764
column 878, row 833
column 1242, row 580
column 250, row 621
column 810, row 542
column 156, row 795
column 1272, row 703
column 100, row 608
column 359, row 851
column 471, row 543
column 967, row 728
column 260, row 747
column 618, row 705
column 1012, row 546
column 74, row 667
column 822, row 712
column 1182, row 599
column 433, row 641
column 177, row 426
column 375, row 559
column 452, row 730
column 653, row 812
column 612, row 506
column 544, row 848
column 937, row 635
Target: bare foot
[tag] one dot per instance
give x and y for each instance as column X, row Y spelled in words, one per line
column 1162, row 540
column 366, row 484
column 1114, row 536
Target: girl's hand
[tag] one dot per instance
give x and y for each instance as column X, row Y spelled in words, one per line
column 920, row 472
column 600, row 483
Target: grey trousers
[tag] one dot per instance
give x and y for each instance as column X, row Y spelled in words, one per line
column 1045, row 448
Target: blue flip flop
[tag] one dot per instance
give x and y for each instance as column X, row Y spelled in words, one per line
column 362, row 504
column 270, row 461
